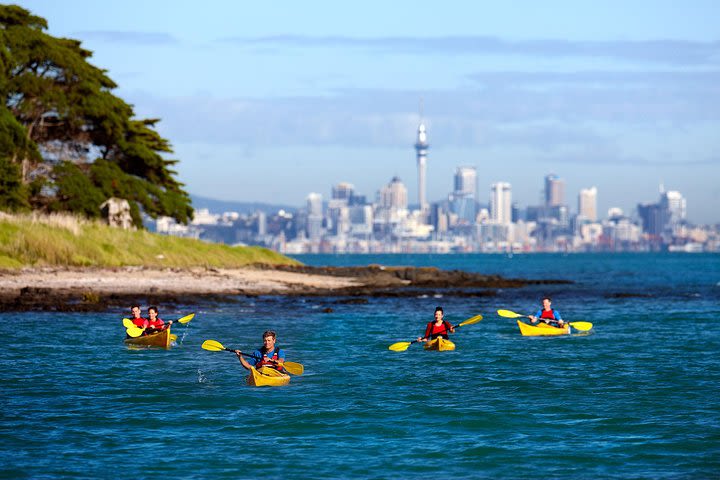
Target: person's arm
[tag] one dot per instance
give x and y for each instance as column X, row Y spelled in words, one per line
column 534, row 318
column 281, row 358
column 243, row 362
column 425, row 337
column 449, row 327
column 559, row 319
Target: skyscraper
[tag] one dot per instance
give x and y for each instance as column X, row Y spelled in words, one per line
column 554, row 191
column 587, row 203
column 463, row 198
column 501, row 203
column 315, row 216
column 393, row 196
column 466, row 181
column 421, row 148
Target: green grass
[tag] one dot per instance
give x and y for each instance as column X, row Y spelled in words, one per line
column 62, row 240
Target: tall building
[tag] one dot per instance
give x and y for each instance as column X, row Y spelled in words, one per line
column 315, row 216
column 463, row 199
column 343, row 191
column 501, row 203
column 393, row 196
column 554, row 191
column 587, row 203
column 421, row 148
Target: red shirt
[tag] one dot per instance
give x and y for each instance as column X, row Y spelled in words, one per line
column 139, row 322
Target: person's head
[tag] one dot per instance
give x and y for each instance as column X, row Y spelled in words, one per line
column 269, row 340
column 546, row 301
column 135, row 310
column 439, row 313
column 152, row 312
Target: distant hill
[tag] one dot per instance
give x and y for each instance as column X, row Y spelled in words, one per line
column 220, row 206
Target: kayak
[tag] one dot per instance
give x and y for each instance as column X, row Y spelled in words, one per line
column 542, row 329
column 267, row 377
column 159, row 339
column 439, row 344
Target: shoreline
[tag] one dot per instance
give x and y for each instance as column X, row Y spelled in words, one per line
column 98, row 289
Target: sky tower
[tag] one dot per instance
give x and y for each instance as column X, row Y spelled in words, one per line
column 421, row 147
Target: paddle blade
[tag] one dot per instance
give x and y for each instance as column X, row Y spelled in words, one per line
column 213, row 346
column 186, row 318
column 294, row 368
column 135, row 331
column 509, row 314
column 582, row 326
column 127, row 323
column 472, row 320
column 399, row 346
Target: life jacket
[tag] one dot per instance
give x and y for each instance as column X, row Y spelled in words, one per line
column 139, row 322
column 266, row 361
column 550, row 314
column 433, row 331
column 157, row 324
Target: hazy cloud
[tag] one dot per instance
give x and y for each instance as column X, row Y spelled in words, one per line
column 128, row 37
column 677, row 52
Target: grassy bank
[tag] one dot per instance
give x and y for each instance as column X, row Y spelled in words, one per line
column 63, row 240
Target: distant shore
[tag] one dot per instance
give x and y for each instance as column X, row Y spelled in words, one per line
column 97, row 289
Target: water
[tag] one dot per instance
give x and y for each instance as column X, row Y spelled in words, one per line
column 637, row 398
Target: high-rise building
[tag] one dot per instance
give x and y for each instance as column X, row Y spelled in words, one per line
column 315, row 216
column 393, row 196
column 466, row 181
column 554, row 191
column 343, row 191
column 501, row 203
column 587, row 203
column 463, row 199
column 421, row 148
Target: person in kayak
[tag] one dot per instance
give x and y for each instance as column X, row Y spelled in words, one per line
column 137, row 320
column 437, row 327
column 155, row 323
column 269, row 355
column 547, row 314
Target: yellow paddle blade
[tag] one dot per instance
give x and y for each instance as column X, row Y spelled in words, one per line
column 582, row 326
column 135, row 331
column 186, row 318
column 213, row 346
column 127, row 323
column 472, row 320
column 509, row 314
column 173, row 337
column 399, row 346
column 294, row 368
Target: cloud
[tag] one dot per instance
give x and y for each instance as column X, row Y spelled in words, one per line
column 666, row 51
column 128, row 37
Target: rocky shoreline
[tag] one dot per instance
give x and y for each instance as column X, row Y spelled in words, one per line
column 95, row 289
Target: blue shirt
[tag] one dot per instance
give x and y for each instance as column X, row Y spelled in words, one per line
column 556, row 314
column 258, row 355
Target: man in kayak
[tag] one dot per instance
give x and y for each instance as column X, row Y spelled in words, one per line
column 548, row 314
column 137, row 320
column 269, row 355
column 437, row 327
column 154, row 323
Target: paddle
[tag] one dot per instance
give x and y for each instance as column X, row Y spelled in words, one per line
column 402, row 346
column 215, row 346
column 581, row 326
column 135, row 331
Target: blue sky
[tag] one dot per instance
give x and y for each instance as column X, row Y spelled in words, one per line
column 268, row 101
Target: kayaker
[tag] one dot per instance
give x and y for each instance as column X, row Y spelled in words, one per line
column 155, row 323
column 547, row 314
column 269, row 355
column 437, row 327
column 137, row 320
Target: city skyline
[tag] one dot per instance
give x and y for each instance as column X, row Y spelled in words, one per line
column 583, row 91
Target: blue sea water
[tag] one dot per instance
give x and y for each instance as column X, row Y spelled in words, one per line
column 638, row 397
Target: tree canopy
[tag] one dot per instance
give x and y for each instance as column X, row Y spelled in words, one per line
column 66, row 142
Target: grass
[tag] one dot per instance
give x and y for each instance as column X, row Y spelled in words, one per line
column 65, row 240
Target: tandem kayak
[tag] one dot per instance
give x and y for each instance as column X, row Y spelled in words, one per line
column 267, row 377
column 439, row 344
column 160, row 339
column 542, row 329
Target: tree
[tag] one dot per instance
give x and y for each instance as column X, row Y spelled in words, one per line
column 66, row 109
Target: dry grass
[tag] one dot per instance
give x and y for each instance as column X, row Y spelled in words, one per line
column 67, row 240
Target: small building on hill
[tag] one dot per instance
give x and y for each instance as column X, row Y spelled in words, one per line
column 116, row 212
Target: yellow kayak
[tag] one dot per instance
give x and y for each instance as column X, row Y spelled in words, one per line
column 439, row 344
column 542, row 329
column 159, row 339
column 267, row 377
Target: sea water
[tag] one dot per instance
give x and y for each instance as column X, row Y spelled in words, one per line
column 637, row 397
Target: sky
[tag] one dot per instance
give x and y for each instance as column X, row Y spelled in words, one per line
column 269, row 101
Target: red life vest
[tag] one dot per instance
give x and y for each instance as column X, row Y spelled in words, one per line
column 433, row 331
column 139, row 322
column 550, row 314
column 266, row 361
column 157, row 324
